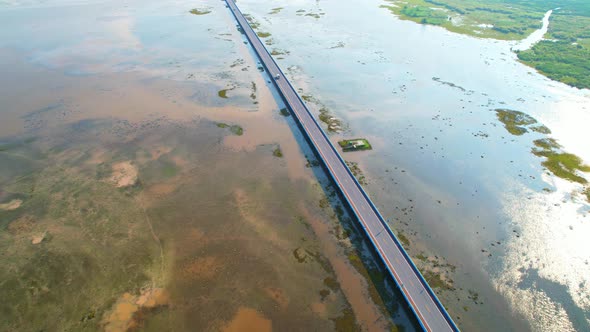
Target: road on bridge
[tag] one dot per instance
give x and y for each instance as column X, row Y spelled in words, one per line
column 429, row 311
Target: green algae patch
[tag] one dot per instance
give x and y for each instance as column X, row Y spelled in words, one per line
column 547, row 144
column 277, row 51
column 541, row 129
column 252, row 21
column 356, row 144
column 235, row 129
column 515, row 122
column 277, row 152
column 263, row 34
column 275, row 10
column 223, row 93
column 201, row 11
column 564, row 165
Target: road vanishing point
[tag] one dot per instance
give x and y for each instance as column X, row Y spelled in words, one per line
column 429, row 312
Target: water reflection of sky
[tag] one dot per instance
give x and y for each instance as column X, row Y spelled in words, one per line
column 472, row 183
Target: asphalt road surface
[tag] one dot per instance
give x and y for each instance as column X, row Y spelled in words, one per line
column 429, row 312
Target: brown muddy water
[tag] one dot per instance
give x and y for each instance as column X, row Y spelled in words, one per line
column 130, row 200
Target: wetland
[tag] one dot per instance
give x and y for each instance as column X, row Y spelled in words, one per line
column 152, row 179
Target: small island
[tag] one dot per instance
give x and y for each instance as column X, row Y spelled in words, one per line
column 356, row 144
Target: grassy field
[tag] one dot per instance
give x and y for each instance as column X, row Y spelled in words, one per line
column 564, row 56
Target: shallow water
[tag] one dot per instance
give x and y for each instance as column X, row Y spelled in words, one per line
column 443, row 169
column 141, row 207
column 214, row 216
column 536, row 36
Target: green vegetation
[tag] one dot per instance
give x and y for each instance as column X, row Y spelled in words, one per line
column 515, row 121
column 563, row 61
column 253, row 93
column 356, row 144
column 263, row 34
column 435, row 280
column 277, row 152
column 253, row 23
column 276, row 51
column 564, row 165
column 480, row 18
column 235, row 129
column 356, row 171
column 563, row 56
column 284, row 111
column 275, row 10
column 196, row 11
column 223, row 93
column 403, row 239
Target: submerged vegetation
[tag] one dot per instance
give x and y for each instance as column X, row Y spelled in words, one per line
column 263, row 34
column 516, row 122
column 564, row 55
column 275, row 10
column 562, row 164
column 356, row 171
column 202, row 11
column 277, row 152
column 223, row 93
column 235, row 129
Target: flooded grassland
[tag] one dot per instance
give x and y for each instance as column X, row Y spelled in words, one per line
column 483, row 177
column 135, row 194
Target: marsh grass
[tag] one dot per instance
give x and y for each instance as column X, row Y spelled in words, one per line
column 202, row 11
column 277, row 152
column 234, row 129
column 515, row 121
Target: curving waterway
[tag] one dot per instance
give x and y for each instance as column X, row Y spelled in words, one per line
column 534, row 37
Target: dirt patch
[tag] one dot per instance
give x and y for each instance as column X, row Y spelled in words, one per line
column 121, row 317
column 201, row 268
column 125, row 312
column 153, row 298
column 124, row 174
column 12, row 205
column 162, row 189
column 247, row 319
column 278, row 296
column 36, row 239
column 159, row 151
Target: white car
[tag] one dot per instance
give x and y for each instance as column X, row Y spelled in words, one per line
column 277, row 76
